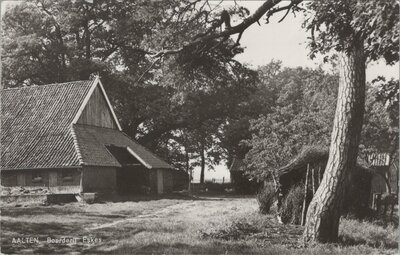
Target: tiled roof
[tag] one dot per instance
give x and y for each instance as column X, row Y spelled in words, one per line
column 92, row 142
column 37, row 130
column 36, row 122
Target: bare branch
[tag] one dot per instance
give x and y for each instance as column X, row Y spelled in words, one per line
column 266, row 8
column 147, row 70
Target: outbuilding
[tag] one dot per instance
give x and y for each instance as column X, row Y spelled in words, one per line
column 66, row 137
column 306, row 171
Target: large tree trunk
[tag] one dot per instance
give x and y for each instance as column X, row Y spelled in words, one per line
column 322, row 224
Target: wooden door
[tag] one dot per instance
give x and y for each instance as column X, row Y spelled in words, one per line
column 21, row 179
column 52, row 179
column 160, row 181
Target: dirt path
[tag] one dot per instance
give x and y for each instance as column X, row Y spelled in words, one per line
column 161, row 213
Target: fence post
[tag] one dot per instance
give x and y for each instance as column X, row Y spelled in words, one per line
column 303, row 213
column 313, row 180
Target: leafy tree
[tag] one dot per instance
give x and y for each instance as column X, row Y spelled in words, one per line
column 191, row 35
column 260, row 101
column 357, row 30
column 301, row 115
column 380, row 131
column 47, row 41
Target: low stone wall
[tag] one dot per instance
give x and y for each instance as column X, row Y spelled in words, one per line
column 38, row 199
column 24, row 199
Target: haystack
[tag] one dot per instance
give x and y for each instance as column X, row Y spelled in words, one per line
column 307, row 169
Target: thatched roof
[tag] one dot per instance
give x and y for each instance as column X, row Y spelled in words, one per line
column 309, row 154
column 38, row 130
column 312, row 154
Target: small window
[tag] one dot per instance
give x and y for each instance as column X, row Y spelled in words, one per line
column 67, row 176
column 37, row 177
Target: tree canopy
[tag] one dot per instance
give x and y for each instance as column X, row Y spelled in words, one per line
column 47, row 42
column 301, row 114
column 169, row 69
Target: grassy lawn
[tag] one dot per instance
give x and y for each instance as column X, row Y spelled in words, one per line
column 213, row 225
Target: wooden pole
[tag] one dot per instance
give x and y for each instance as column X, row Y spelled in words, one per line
column 313, row 180
column 303, row 213
column 189, row 171
column 319, row 174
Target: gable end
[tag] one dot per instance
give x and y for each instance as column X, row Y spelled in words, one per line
column 96, row 109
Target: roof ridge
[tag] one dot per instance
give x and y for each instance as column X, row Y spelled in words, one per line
column 76, row 144
column 45, row 85
column 81, row 124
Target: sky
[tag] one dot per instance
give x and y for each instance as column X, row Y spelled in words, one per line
column 285, row 41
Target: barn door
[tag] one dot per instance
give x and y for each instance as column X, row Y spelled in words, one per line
column 160, row 180
column 52, row 179
column 21, row 179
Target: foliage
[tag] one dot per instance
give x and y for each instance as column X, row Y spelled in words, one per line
column 56, row 41
column 304, row 107
column 380, row 131
column 266, row 198
column 292, row 204
column 338, row 25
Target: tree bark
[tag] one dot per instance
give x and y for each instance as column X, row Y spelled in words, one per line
column 322, row 224
column 188, row 170
column 202, row 165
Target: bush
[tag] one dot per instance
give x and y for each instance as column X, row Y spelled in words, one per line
column 243, row 185
column 266, row 198
column 292, row 205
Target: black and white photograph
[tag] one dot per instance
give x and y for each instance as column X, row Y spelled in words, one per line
column 199, row 127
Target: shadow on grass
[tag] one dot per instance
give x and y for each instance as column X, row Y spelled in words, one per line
column 12, row 230
column 36, row 229
column 38, row 210
column 183, row 248
column 378, row 242
column 144, row 198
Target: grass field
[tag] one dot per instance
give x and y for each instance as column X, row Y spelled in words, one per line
column 175, row 225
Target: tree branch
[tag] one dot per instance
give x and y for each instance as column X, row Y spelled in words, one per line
column 265, row 8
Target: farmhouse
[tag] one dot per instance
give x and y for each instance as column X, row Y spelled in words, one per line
column 66, row 137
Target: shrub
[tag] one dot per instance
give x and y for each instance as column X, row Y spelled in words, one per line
column 243, row 185
column 292, row 205
column 266, row 198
